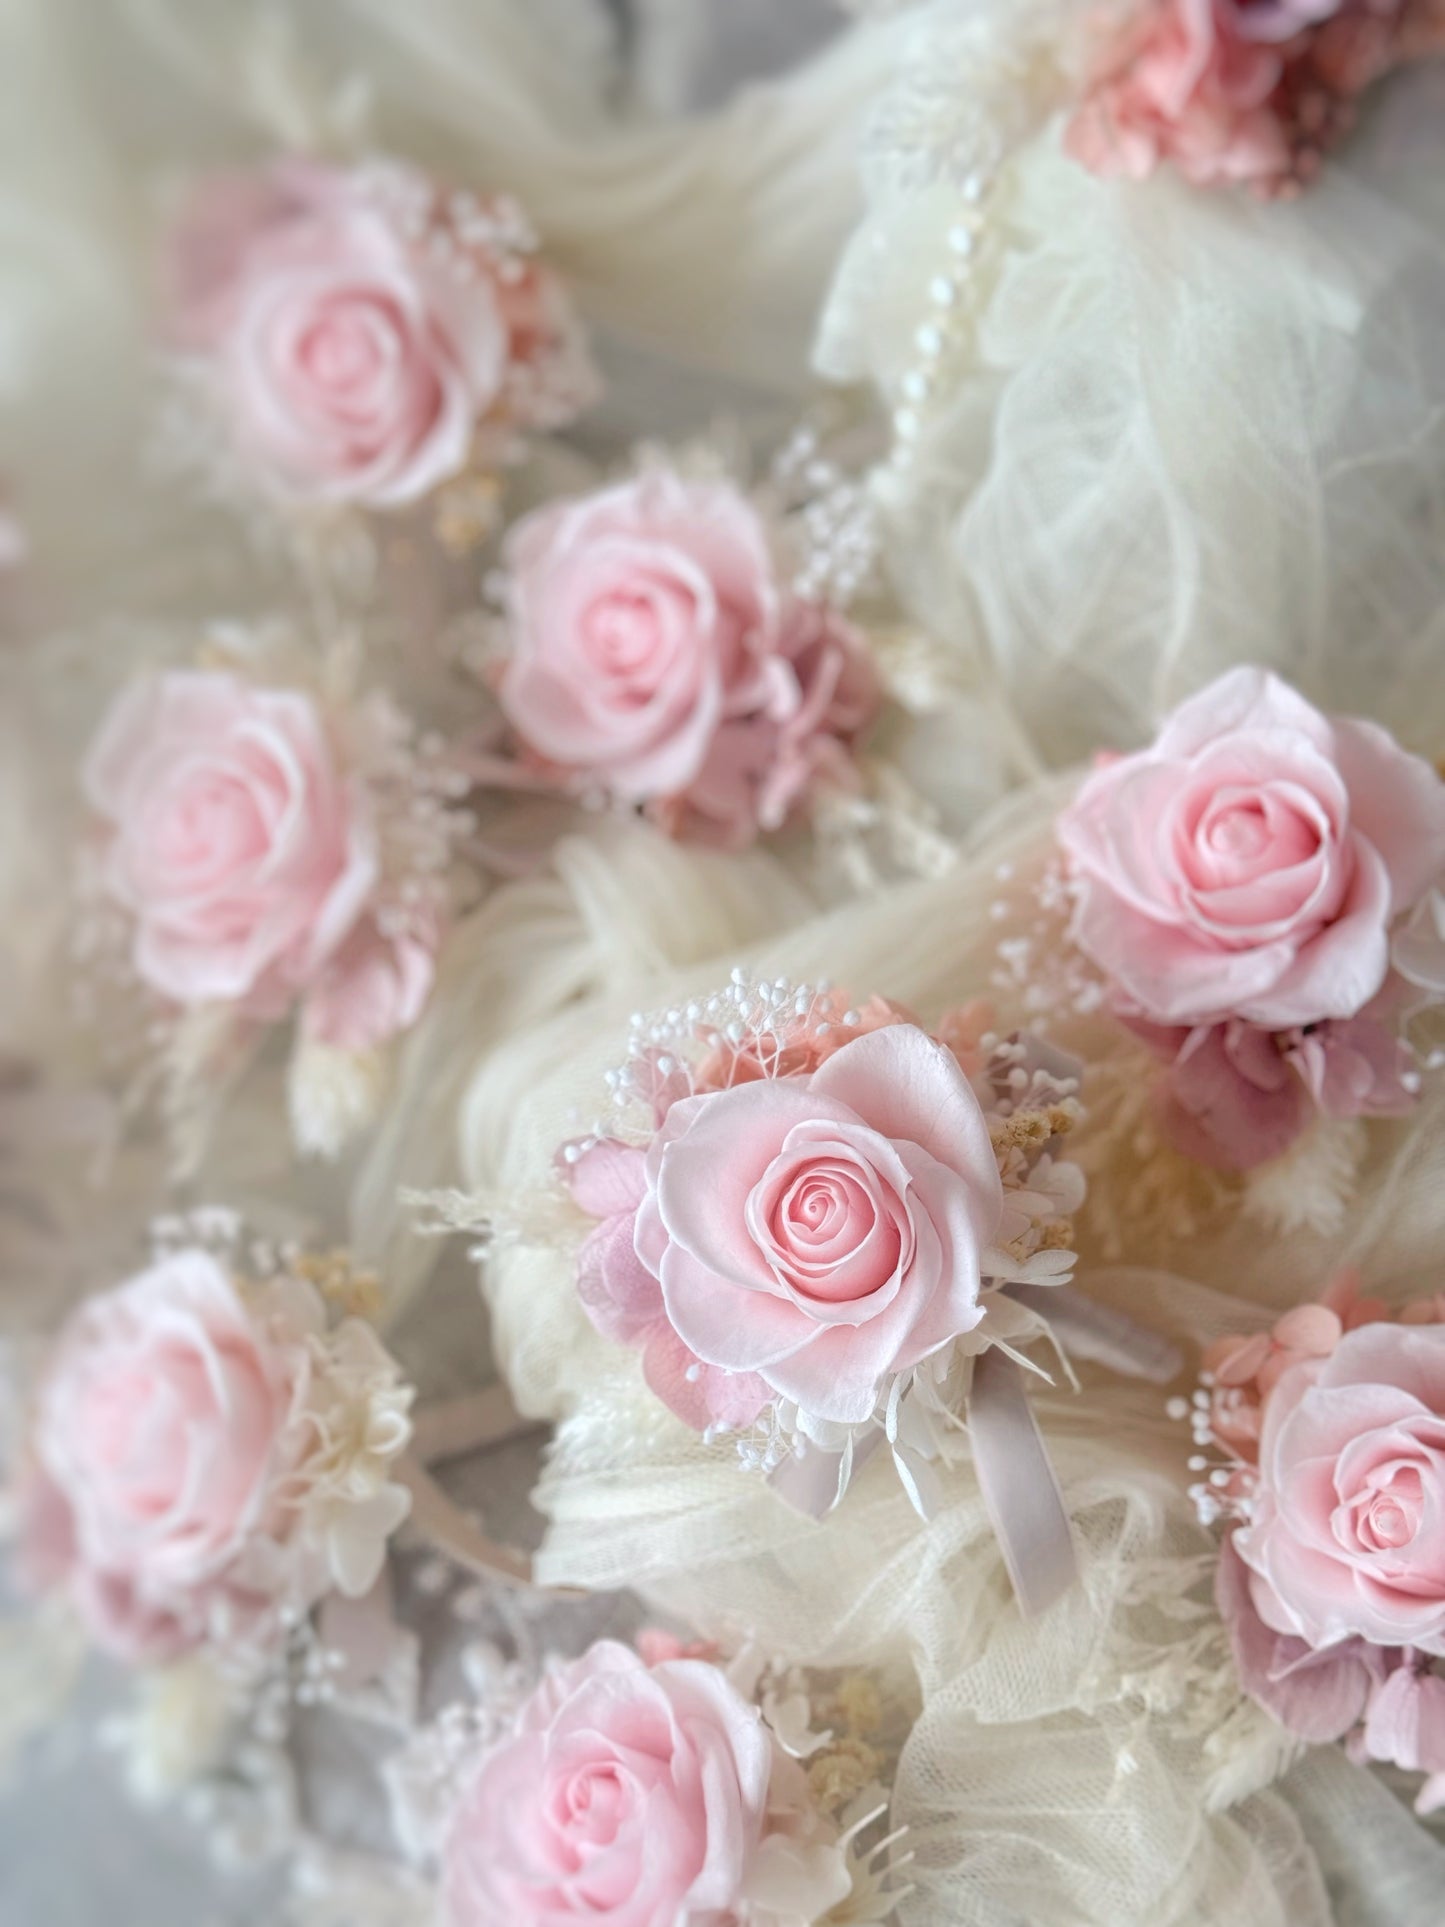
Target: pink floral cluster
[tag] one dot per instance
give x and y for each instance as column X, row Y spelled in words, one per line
column 803, row 1225
column 363, row 333
column 639, row 1792
column 178, row 1488
column 1241, row 884
column 1253, row 92
column 1332, row 1577
column 251, row 860
column 657, row 658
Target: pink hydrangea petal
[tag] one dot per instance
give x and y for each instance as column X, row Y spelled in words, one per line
column 618, row 1292
column 1312, row 1329
column 701, row 1395
column 607, row 1177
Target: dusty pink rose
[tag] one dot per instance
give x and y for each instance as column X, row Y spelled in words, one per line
column 1347, row 1538
column 243, row 854
column 825, row 1231
column 1190, row 91
column 157, row 1443
column 1243, row 91
column 625, row 1796
column 656, row 655
column 355, row 340
column 1250, row 864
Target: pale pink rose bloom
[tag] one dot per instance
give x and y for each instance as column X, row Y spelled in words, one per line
column 1186, row 89
column 1250, row 864
column 1346, row 1537
column 837, row 1238
column 353, row 360
column 656, row 655
column 242, row 852
column 625, row 1796
column 823, row 1232
column 1243, row 91
column 158, row 1447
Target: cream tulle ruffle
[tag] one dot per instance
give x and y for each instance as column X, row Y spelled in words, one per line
column 1180, row 430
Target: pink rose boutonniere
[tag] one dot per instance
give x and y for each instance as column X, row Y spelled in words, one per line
column 268, row 853
column 664, row 1790
column 1252, row 92
column 1330, row 1486
column 824, row 1228
column 658, row 658
column 1243, row 885
column 364, row 335
column 210, row 1456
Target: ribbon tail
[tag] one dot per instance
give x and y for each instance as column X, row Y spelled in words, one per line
column 446, row 1526
column 453, row 1428
column 815, row 1483
column 1096, row 1332
column 1019, row 1489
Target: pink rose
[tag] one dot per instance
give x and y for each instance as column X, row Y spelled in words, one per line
column 1346, row 1537
column 656, row 655
column 1244, row 91
column 624, row 1796
column 355, row 335
column 1187, row 89
column 824, row 1231
column 244, row 856
column 157, row 1443
column 1250, row 864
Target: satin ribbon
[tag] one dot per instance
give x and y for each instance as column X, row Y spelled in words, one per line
column 813, row 1484
column 454, row 1428
column 1016, row 1478
column 1095, row 1332
column 1019, row 1489
column 445, row 1525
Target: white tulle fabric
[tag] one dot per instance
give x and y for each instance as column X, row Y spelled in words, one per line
column 1178, row 429
column 1094, row 1766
